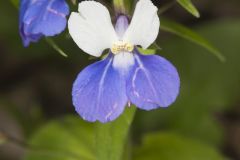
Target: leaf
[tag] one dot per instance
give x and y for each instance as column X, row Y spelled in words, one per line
column 147, row 51
column 72, row 139
column 171, row 146
column 208, row 88
column 15, row 3
column 186, row 33
column 187, row 4
column 67, row 139
column 111, row 137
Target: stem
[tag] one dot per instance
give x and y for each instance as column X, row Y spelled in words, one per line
column 111, row 137
column 56, row 47
column 119, row 6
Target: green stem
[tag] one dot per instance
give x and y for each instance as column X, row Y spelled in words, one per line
column 111, row 137
column 119, row 6
column 56, row 47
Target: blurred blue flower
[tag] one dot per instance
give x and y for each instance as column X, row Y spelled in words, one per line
column 41, row 18
column 103, row 89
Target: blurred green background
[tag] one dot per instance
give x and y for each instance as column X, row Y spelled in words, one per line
column 38, row 121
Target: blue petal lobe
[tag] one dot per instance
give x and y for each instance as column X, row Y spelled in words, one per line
column 153, row 82
column 42, row 18
column 99, row 92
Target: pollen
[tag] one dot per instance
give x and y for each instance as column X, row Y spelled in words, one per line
column 121, row 46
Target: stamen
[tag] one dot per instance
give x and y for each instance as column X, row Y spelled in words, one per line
column 121, row 46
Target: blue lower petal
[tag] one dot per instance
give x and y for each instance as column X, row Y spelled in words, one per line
column 153, row 83
column 99, row 92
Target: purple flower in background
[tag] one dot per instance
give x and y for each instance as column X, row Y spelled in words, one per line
column 41, row 18
column 103, row 89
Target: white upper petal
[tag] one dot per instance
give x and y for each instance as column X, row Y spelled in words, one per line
column 144, row 27
column 91, row 28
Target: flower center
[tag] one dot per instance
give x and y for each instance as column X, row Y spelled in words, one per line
column 121, row 46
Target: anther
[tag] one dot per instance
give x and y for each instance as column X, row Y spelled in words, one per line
column 121, row 46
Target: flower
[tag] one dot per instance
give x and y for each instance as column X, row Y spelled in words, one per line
column 103, row 89
column 41, row 18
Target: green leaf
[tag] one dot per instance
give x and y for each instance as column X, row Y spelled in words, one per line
column 171, row 146
column 187, row 4
column 206, row 89
column 151, row 50
column 69, row 138
column 147, row 51
column 72, row 139
column 15, row 3
column 111, row 137
column 186, row 33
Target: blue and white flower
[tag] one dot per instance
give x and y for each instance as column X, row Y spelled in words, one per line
column 40, row 18
column 103, row 89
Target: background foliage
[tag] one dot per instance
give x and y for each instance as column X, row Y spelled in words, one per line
column 37, row 119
